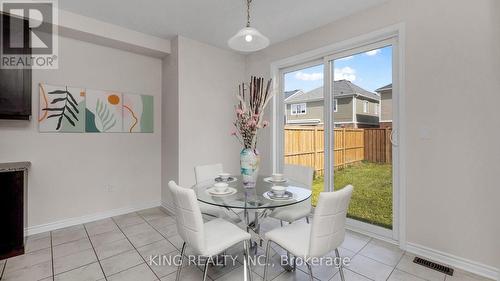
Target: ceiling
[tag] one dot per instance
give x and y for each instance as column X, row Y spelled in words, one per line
column 215, row 21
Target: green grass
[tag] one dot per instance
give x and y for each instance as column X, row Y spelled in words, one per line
column 372, row 197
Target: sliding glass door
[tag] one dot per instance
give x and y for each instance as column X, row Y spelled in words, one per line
column 340, row 118
column 360, row 85
column 303, row 119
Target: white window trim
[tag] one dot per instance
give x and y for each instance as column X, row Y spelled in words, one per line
column 366, row 106
column 335, row 105
column 377, row 108
column 298, row 105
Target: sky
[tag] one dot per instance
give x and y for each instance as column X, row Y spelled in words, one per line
column 369, row 70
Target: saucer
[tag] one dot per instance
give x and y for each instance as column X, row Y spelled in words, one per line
column 229, row 191
column 270, row 180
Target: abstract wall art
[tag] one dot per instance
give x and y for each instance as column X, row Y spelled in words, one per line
column 137, row 113
column 69, row 109
column 61, row 109
column 103, row 112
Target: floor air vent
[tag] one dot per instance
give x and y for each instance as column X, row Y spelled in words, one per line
column 433, row 265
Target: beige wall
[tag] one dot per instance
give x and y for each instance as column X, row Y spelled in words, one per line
column 451, row 159
column 71, row 171
column 207, row 80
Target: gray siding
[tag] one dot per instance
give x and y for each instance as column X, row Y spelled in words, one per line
column 386, row 105
column 314, row 110
column 370, row 117
column 344, row 110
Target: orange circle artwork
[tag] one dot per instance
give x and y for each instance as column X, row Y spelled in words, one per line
column 113, row 99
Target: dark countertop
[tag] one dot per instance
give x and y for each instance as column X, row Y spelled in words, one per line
column 14, row 166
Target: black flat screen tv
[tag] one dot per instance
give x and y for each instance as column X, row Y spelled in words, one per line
column 15, row 84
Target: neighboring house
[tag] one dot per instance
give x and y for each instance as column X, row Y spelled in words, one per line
column 385, row 106
column 353, row 106
column 291, row 93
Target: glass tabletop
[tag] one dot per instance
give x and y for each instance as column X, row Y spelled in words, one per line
column 251, row 197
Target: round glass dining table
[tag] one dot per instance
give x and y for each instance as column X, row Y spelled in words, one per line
column 251, row 198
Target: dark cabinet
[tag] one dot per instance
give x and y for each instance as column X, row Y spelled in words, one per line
column 12, row 189
column 15, row 84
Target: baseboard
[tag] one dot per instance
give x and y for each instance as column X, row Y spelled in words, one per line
column 454, row 261
column 373, row 231
column 88, row 218
column 168, row 208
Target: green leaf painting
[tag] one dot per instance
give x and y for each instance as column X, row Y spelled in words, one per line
column 106, row 119
column 61, row 109
column 104, row 111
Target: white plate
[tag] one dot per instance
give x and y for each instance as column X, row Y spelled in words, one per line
column 229, row 191
column 270, row 180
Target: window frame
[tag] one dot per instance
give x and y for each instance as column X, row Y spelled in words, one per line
column 366, row 106
column 298, row 106
column 335, row 105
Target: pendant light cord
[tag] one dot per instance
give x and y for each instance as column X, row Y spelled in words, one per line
column 248, row 12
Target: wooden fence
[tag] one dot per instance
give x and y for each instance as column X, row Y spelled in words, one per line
column 378, row 147
column 304, row 145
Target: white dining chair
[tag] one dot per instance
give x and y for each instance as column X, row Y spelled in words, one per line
column 304, row 175
column 205, row 239
column 209, row 172
column 315, row 240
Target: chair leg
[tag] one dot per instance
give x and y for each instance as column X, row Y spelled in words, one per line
column 180, row 266
column 205, row 269
column 307, row 219
column 247, row 271
column 309, row 268
column 289, row 258
column 341, row 270
column 268, row 247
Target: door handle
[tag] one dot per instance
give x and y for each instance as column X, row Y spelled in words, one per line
column 394, row 137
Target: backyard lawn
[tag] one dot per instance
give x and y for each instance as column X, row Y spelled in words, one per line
column 372, row 197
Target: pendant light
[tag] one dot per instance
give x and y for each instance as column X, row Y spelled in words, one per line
column 248, row 39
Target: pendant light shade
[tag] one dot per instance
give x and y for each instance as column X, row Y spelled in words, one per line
column 248, row 39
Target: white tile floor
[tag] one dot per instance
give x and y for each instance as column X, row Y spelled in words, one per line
column 119, row 249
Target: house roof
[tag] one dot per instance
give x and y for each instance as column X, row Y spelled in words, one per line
column 384, row 88
column 290, row 93
column 341, row 88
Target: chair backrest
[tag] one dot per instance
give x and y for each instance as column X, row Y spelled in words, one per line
column 207, row 172
column 302, row 174
column 328, row 225
column 188, row 217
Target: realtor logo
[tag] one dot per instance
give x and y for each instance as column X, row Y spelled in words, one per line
column 29, row 34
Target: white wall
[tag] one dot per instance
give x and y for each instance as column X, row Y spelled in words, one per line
column 452, row 89
column 70, row 170
column 208, row 79
column 170, row 122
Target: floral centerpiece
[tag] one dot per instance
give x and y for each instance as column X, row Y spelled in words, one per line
column 253, row 99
